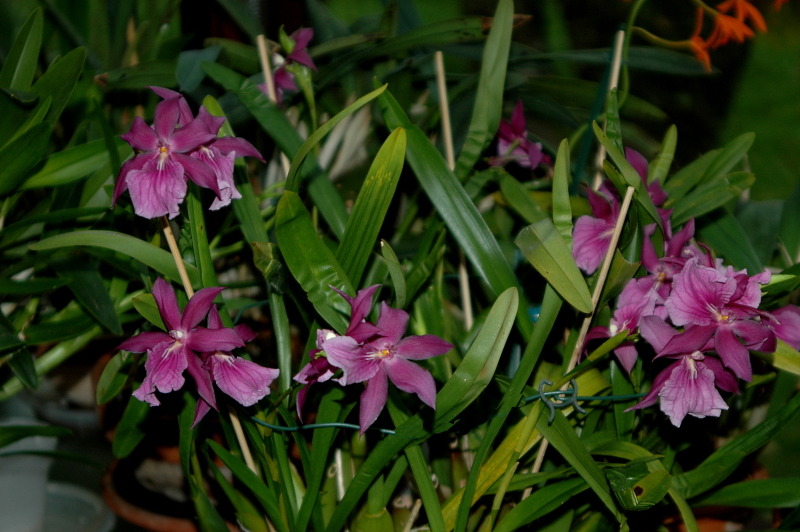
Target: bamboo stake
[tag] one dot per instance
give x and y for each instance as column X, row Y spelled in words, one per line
column 263, row 55
column 616, row 65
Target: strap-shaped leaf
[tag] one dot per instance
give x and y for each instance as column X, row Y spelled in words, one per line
column 113, row 377
column 11, row 433
column 19, row 156
column 489, row 97
column 22, row 60
column 723, row 232
column 59, row 82
column 687, row 177
column 540, row 503
column 762, row 493
column 89, row 290
column 659, row 166
column 455, row 207
column 712, row 194
column 519, row 198
column 311, row 262
column 74, row 163
column 562, row 208
column 545, row 249
column 371, row 206
column 129, row 432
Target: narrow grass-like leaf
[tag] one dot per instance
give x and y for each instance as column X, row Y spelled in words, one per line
column 729, row 157
column 545, row 249
column 23, row 57
column 659, row 166
column 155, row 257
column 396, row 273
column 207, row 514
column 11, row 433
column 519, row 199
column 129, row 432
column 292, row 182
column 686, row 512
column 420, row 273
column 244, row 17
column 541, row 502
column 145, row 304
column 113, row 377
column 197, row 227
column 613, row 126
column 89, row 290
column 489, row 97
column 785, row 358
column 562, row 437
column 311, row 262
column 707, row 476
column 246, row 512
column 687, row 177
column 31, row 286
column 562, row 208
column 21, row 363
column 708, row 197
column 74, row 163
column 59, row 82
column 371, row 206
column 18, row 157
column 762, row 493
column 455, row 207
column 143, row 75
column 479, row 364
column 624, row 421
column 727, row 237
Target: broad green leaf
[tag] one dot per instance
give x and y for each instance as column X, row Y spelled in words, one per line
column 785, row 357
column 729, row 157
column 479, row 364
column 630, row 176
column 21, row 155
column 725, row 235
column 545, row 249
column 113, row 377
column 23, row 57
column 519, row 199
column 687, row 177
column 619, row 273
column 54, row 330
column 541, row 502
column 455, row 207
column 371, row 206
column 157, row 258
column 59, row 82
column 292, row 181
column 246, row 512
column 36, row 117
column 659, row 166
column 21, row 363
column 145, row 304
column 761, row 493
column 275, row 123
column 562, row 437
column 129, row 432
column 562, row 209
column 89, row 290
column 11, row 433
column 489, row 97
column 396, row 273
column 142, row 75
column 263, row 494
column 713, row 194
column 74, row 163
column 189, row 71
column 31, row 286
column 311, row 262
column 237, row 55
column 54, row 217
column 613, row 128
column 780, row 285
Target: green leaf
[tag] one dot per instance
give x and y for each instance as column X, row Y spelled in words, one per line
column 686, row 513
column 371, row 205
column 489, row 97
column 545, row 249
column 562, row 437
column 189, row 71
column 11, row 433
column 455, row 207
column 785, row 357
column 311, row 262
column 244, row 17
column 731, row 154
column 21, row 155
column 613, row 127
column 113, row 377
column 142, row 75
column 396, row 273
column 89, row 290
column 263, row 494
column 708, row 475
column 687, row 177
column 624, row 421
column 659, row 166
column 21, row 363
column 788, row 234
column 145, row 304
column 541, row 502
column 59, row 82
column 519, row 199
column 54, row 217
column 21, row 62
column 157, row 258
column 74, row 163
column 246, row 512
column 292, row 182
column 207, row 515
column 31, row 286
column 479, row 364
column 129, row 432
column 562, row 209
column 763, row 493
column 711, row 195
column 727, row 238
column 619, row 273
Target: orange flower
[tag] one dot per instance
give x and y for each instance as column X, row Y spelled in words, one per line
column 727, row 28
column 743, row 10
column 697, row 45
column 779, row 3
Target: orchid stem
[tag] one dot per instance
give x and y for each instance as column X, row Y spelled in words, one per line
column 176, row 254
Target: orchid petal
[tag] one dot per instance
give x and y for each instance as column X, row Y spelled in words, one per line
column 691, row 391
column 723, row 378
column 638, row 161
column 658, row 384
column 136, row 163
column 393, row 322
column 212, row 123
column 204, row 340
column 165, row 118
column 198, row 307
column 656, row 332
column 200, row 411
column 680, row 239
column 245, row 333
column 692, row 339
column 239, row 145
column 198, row 171
column 591, row 238
column 373, row 399
column 167, row 304
column 412, row 378
column 696, row 292
column 518, row 124
column 191, row 136
column 202, row 378
column 214, row 319
column 302, row 37
column 345, row 353
column 788, row 326
column 165, row 365
column 184, row 112
column 627, row 355
column 422, row 347
column 144, row 341
column 157, row 189
column 733, row 354
column 302, row 57
column 141, row 136
column 243, row 380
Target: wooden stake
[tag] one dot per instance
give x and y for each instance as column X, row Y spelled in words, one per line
column 263, row 55
column 616, row 65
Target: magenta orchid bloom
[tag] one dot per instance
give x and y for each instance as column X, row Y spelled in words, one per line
column 641, row 166
column 281, row 77
column 170, row 353
column 244, row 381
column 712, row 302
column 592, row 234
column 787, row 327
column 157, row 175
column 317, row 370
column 526, row 153
column 386, row 357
